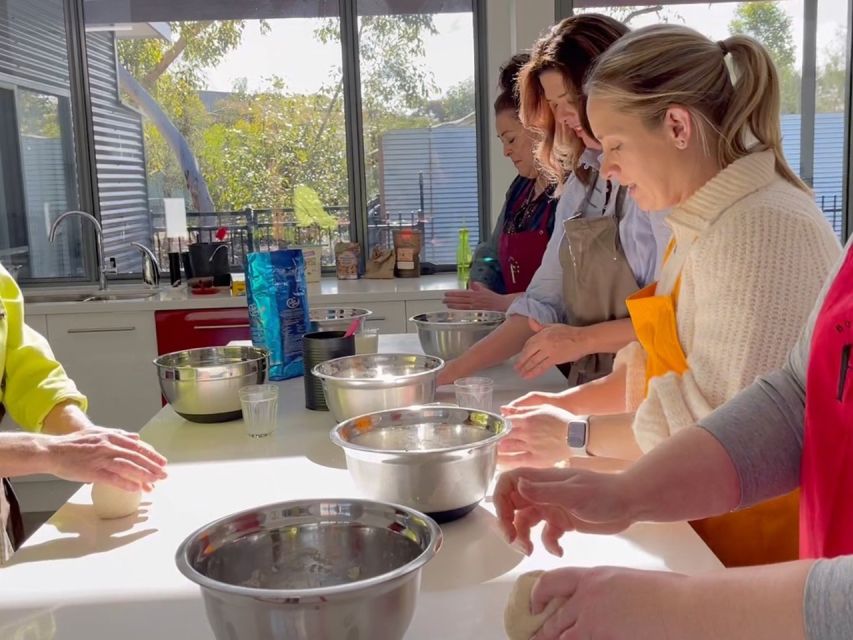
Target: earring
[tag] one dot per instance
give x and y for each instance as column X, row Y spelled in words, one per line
column 681, row 144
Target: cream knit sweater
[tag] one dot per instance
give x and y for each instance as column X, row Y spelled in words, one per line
column 747, row 287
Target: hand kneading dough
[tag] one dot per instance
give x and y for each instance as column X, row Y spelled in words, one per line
column 519, row 623
column 111, row 502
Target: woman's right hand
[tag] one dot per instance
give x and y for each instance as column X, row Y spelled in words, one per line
column 565, row 500
column 109, row 456
column 537, row 399
column 449, row 373
column 478, row 297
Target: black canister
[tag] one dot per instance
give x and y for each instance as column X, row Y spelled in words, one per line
column 318, row 347
column 174, row 268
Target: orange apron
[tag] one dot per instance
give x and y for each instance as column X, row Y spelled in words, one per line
column 762, row 534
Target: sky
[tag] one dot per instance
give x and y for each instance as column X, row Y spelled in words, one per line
column 290, row 43
column 290, row 50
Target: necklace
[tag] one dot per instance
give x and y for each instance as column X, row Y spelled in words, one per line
column 526, row 211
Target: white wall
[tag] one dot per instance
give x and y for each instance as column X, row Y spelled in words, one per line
column 513, row 25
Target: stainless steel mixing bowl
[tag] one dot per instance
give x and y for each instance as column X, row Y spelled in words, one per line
column 311, row 569
column 202, row 384
column 354, row 385
column 436, row 459
column 335, row 318
column 449, row 334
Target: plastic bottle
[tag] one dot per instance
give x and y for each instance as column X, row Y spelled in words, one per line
column 463, row 258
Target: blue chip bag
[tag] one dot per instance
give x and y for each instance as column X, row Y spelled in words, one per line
column 277, row 294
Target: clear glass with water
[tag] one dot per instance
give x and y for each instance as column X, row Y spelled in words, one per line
column 367, row 341
column 474, row 393
column 260, row 408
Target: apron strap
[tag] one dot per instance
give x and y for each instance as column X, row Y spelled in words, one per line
column 671, row 270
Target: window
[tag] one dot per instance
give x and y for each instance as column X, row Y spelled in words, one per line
column 38, row 172
column 420, row 138
column 238, row 109
column 779, row 25
column 235, row 108
column 831, row 78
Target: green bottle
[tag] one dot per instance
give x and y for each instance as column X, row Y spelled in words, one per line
column 463, row 258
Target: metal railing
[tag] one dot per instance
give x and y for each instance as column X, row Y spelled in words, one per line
column 271, row 229
column 833, row 211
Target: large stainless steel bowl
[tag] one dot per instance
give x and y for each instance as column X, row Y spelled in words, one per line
column 436, row 459
column 311, row 569
column 354, row 385
column 335, row 318
column 449, row 334
column 202, row 384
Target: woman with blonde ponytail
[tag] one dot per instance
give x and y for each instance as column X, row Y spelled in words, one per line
column 693, row 125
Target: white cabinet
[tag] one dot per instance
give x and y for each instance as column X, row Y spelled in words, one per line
column 388, row 317
column 109, row 356
column 38, row 322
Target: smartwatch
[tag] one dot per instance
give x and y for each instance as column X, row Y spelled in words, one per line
column 577, row 435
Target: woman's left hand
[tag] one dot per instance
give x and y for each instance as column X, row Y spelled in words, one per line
column 551, row 345
column 537, row 438
column 609, row 602
column 478, row 297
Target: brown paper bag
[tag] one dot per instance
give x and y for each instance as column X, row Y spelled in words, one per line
column 380, row 264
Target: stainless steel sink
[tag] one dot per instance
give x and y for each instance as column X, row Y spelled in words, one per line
column 86, row 296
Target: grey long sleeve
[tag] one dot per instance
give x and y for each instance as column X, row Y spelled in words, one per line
column 762, row 430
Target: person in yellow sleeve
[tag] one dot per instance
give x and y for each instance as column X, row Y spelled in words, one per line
column 60, row 439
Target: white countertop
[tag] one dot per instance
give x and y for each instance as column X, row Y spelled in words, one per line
column 326, row 292
column 81, row 578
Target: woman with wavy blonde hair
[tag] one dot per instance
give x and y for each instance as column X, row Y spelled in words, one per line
column 694, row 125
column 603, row 247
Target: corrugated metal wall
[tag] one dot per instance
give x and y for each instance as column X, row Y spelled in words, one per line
column 119, row 158
column 32, row 43
column 828, row 160
column 46, row 178
column 447, row 157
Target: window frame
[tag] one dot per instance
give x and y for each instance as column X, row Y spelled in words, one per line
column 83, row 133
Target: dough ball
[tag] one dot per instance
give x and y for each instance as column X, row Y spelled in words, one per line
column 111, row 502
column 519, row 623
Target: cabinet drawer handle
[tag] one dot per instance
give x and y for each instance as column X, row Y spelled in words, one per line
column 102, row 330
column 221, row 326
column 375, row 318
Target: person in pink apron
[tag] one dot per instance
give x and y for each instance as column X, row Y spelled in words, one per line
column 504, row 264
column 800, row 435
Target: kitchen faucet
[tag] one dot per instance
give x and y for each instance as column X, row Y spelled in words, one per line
column 150, row 268
column 99, row 241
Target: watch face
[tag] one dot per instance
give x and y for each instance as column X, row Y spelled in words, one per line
column 577, row 434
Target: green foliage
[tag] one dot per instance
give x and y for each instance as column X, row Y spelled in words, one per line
column 831, row 78
column 771, row 25
column 459, row 101
column 274, row 148
column 260, row 146
column 38, row 114
column 309, row 209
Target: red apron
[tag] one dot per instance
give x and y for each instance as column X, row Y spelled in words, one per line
column 826, row 507
column 520, row 254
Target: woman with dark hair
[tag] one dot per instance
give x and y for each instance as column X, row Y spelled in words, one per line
column 505, row 263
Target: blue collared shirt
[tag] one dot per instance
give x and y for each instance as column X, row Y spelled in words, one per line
column 644, row 238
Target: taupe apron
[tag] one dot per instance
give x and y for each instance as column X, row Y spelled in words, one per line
column 596, row 280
